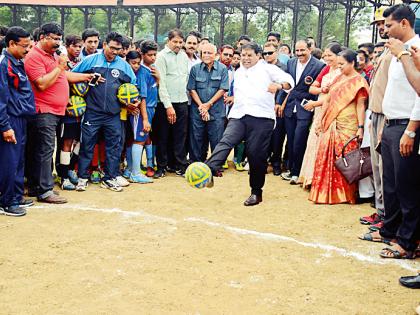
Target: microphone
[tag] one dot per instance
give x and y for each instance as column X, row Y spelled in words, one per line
column 59, row 52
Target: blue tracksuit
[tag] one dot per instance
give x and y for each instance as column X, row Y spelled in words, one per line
column 103, row 111
column 16, row 104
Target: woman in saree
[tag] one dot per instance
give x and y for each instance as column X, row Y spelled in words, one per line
column 342, row 119
column 320, row 87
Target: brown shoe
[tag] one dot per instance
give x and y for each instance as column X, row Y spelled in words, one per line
column 53, row 199
column 253, row 200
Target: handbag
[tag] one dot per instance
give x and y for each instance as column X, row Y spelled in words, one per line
column 356, row 164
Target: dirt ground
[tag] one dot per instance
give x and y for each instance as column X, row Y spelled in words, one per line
column 166, row 248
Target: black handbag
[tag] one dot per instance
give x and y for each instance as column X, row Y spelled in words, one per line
column 356, row 164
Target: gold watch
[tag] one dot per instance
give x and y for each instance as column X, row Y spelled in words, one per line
column 404, row 52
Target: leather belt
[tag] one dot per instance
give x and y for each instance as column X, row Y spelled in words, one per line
column 395, row 122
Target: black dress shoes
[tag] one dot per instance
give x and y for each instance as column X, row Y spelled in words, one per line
column 412, row 282
column 253, row 200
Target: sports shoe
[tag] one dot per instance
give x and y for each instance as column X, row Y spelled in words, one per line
column 286, row 176
column 13, row 211
column 126, row 173
column 377, row 226
column 371, row 219
column 180, row 172
column 226, row 165
column 95, row 177
column 122, row 181
column 82, row 184
column 25, row 203
column 150, row 172
column 73, row 177
column 246, row 165
column 239, row 167
column 53, row 199
column 294, row 180
column 66, row 184
column 140, row 179
column 111, row 184
column 159, row 173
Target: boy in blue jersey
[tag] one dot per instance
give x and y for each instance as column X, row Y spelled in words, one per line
column 141, row 123
column 103, row 110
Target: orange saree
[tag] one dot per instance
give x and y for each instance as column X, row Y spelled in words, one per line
column 339, row 124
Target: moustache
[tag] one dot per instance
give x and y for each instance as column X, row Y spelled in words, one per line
column 56, row 46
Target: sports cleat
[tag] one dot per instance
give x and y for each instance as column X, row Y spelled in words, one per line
column 122, row 181
column 95, row 177
column 82, row 184
column 13, row 211
column 67, row 185
column 150, row 172
column 126, row 173
column 140, row 179
column 111, row 184
column 73, row 177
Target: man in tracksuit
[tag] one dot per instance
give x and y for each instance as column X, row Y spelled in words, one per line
column 103, row 110
column 16, row 103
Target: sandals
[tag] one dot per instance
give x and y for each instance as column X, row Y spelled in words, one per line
column 396, row 254
column 370, row 238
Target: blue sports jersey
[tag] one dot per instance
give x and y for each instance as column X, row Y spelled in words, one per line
column 102, row 98
column 151, row 85
column 141, row 83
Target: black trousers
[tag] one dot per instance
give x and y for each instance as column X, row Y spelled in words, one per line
column 41, row 144
column 277, row 142
column 401, row 189
column 257, row 134
column 171, row 140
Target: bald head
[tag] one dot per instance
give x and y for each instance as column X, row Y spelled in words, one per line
column 208, row 53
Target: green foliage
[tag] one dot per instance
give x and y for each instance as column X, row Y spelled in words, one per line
column 144, row 23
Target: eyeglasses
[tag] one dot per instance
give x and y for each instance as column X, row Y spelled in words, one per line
column 116, row 49
column 58, row 39
column 268, row 53
column 228, row 55
column 24, row 46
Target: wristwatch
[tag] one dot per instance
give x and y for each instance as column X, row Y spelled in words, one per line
column 410, row 134
column 404, row 52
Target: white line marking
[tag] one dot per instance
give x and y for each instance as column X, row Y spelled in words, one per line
column 239, row 231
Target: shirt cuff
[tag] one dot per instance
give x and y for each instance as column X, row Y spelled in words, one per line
column 5, row 127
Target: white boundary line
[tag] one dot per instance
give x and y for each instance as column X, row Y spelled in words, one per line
column 239, row 231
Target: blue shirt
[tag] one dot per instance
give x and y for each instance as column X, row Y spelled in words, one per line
column 151, row 86
column 16, row 96
column 206, row 83
column 102, row 98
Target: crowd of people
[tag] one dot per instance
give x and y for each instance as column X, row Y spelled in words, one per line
column 297, row 111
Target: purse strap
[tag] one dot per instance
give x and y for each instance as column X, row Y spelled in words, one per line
column 347, row 143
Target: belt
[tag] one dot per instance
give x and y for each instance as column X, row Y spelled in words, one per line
column 395, row 122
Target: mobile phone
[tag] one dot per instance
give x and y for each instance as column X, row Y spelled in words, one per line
column 304, row 102
column 95, row 79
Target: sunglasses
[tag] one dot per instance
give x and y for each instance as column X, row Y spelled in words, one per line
column 227, row 55
column 268, row 53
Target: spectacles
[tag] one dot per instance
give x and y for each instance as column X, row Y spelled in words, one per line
column 228, row 55
column 116, row 49
column 24, row 46
column 54, row 39
column 268, row 53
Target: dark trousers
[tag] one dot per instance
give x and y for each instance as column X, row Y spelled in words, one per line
column 401, row 189
column 41, row 138
column 277, row 142
column 203, row 132
column 92, row 124
column 12, row 164
column 297, row 135
column 171, row 139
column 257, row 134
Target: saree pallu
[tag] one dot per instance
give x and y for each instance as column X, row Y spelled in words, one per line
column 339, row 124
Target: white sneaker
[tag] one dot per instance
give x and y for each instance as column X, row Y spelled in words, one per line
column 294, row 180
column 246, row 165
column 82, row 184
column 122, row 181
column 111, row 184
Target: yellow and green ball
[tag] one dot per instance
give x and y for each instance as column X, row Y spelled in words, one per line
column 76, row 106
column 79, row 89
column 127, row 93
column 198, row 175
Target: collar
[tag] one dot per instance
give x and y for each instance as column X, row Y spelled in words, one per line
column 15, row 61
column 169, row 51
column 146, row 67
column 204, row 66
column 304, row 64
column 412, row 40
column 42, row 51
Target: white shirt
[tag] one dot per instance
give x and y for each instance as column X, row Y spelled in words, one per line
column 400, row 97
column 251, row 90
column 300, row 67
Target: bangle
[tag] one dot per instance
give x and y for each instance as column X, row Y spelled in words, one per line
column 361, row 127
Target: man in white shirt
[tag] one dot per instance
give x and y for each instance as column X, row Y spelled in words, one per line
column 400, row 144
column 252, row 116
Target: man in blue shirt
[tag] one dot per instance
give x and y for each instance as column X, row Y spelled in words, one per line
column 103, row 110
column 16, row 103
column 207, row 83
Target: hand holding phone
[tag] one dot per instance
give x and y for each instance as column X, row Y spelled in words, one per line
column 94, row 81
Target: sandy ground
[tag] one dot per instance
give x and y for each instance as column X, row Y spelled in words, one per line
column 166, row 248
